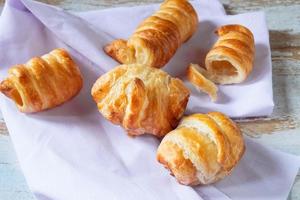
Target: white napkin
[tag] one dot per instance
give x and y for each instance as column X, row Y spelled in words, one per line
column 72, row 152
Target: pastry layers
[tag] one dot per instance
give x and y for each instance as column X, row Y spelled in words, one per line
column 203, row 149
column 141, row 99
column 231, row 58
column 43, row 82
column 157, row 38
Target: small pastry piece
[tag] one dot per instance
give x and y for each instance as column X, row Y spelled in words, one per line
column 198, row 77
column 43, row 82
column 231, row 59
column 203, row 149
column 141, row 99
column 158, row 37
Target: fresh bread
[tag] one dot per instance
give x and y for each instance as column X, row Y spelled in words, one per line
column 141, row 99
column 203, row 149
column 231, row 59
column 158, row 37
column 199, row 78
column 43, row 82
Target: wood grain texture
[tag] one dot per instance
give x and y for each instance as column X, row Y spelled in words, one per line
column 3, row 129
column 281, row 129
column 12, row 183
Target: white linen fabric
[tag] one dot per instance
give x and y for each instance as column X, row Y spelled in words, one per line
column 71, row 152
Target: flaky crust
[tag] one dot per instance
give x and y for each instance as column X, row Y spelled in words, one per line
column 158, row 37
column 199, row 78
column 141, row 99
column 231, row 59
column 203, row 149
column 43, row 82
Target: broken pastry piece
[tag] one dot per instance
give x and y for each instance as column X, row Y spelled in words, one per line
column 231, row 58
column 199, row 78
column 229, row 61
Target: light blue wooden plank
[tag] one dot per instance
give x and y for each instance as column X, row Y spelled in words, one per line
column 12, row 182
column 289, row 142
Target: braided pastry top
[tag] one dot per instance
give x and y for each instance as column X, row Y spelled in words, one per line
column 202, row 149
column 231, row 59
column 158, row 37
column 43, row 82
column 141, row 99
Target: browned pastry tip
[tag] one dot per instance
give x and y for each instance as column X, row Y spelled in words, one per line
column 119, row 50
column 157, row 38
column 231, row 58
column 141, row 99
column 10, row 91
column 203, row 149
column 43, row 82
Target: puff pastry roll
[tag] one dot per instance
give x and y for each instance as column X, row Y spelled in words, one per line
column 231, row 59
column 198, row 77
column 141, row 99
column 158, row 37
column 203, row 149
column 43, row 82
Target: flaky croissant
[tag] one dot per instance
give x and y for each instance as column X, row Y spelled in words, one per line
column 203, row 149
column 43, row 82
column 141, row 99
column 158, row 37
column 231, row 59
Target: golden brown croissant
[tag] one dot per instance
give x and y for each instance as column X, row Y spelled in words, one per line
column 198, row 77
column 43, row 82
column 203, row 149
column 158, row 37
column 231, row 59
column 141, row 99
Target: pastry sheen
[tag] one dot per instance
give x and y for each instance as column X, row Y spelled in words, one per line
column 141, row 99
column 231, row 58
column 158, row 37
column 203, row 149
column 43, row 82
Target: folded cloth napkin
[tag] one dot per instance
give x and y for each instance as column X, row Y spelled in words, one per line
column 72, row 152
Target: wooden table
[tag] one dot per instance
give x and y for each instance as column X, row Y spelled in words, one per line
column 281, row 130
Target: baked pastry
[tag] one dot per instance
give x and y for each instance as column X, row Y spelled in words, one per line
column 231, row 59
column 199, row 78
column 141, row 99
column 43, row 82
column 203, row 149
column 158, row 37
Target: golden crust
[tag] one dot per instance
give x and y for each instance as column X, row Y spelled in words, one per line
column 43, row 82
column 183, row 169
column 231, row 59
column 206, row 146
column 158, row 37
column 119, row 50
column 141, row 99
column 233, row 134
column 199, row 78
